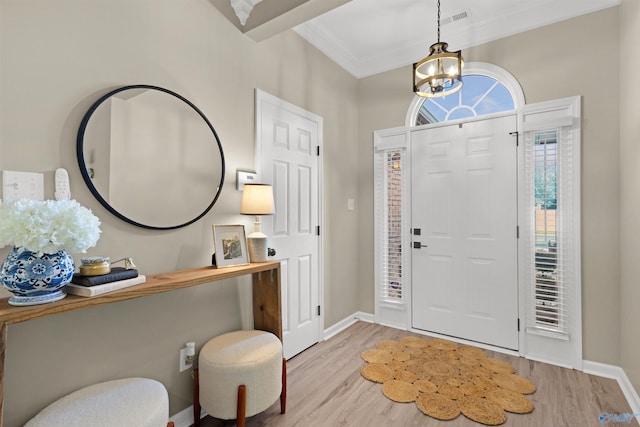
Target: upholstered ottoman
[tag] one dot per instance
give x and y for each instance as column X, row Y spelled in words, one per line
column 130, row 402
column 240, row 374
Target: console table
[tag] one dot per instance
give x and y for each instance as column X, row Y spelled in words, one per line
column 267, row 310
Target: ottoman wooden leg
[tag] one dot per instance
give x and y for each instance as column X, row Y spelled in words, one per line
column 242, row 405
column 283, row 394
column 196, row 399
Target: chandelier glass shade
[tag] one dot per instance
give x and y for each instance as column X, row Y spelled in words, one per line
column 440, row 73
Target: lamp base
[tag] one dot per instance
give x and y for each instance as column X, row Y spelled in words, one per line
column 257, row 247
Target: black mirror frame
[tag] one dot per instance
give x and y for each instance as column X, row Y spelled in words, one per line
column 89, row 182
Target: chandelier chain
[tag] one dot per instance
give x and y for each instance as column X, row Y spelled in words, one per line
column 438, row 21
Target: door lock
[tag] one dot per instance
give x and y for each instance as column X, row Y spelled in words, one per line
column 418, row 245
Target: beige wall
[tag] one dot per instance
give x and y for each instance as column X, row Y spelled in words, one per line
column 630, row 189
column 334, row 97
column 55, row 59
column 550, row 63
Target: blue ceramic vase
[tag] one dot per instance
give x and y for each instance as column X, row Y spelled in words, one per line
column 35, row 277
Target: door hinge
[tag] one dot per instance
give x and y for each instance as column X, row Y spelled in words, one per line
column 318, row 310
column 518, row 324
column 517, row 137
column 317, row 230
column 517, row 231
column 317, row 150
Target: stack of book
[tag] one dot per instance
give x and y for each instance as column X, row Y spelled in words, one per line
column 117, row 278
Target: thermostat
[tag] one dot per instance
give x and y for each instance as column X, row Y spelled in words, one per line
column 245, row 177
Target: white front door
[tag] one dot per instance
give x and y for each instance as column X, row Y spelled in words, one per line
column 287, row 156
column 464, row 219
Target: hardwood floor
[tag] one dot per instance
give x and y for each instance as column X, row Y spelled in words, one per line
column 325, row 388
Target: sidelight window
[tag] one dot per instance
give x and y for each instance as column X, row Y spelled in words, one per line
column 391, row 225
column 549, row 301
column 392, row 217
column 551, row 228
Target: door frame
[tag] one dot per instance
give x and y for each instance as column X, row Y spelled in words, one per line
column 401, row 316
column 563, row 112
column 260, row 97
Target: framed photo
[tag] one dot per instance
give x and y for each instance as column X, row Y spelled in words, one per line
column 230, row 245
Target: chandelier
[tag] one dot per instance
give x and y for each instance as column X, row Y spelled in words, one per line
column 440, row 73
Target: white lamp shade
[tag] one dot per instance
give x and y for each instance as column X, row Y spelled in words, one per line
column 257, row 199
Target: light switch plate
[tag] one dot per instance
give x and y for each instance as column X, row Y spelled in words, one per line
column 244, row 177
column 22, row 185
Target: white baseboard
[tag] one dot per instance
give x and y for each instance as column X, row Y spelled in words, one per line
column 184, row 418
column 346, row 322
column 618, row 374
column 365, row 317
column 549, row 361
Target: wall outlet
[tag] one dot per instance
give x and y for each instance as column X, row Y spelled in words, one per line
column 187, row 355
column 183, row 360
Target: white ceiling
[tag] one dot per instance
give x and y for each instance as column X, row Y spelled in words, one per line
column 367, row 37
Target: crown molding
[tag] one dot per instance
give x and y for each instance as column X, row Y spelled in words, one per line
column 459, row 35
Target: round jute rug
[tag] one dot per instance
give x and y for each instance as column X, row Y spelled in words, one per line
column 445, row 379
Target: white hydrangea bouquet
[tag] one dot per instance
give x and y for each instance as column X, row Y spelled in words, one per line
column 43, row 234
column 48, row 226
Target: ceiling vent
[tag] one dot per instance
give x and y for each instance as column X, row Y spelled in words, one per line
column 460, row 16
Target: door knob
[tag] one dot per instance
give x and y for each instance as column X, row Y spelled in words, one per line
column 418, row 245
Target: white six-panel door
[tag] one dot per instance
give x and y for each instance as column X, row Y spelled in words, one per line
column 464, row 219
column 287, row 158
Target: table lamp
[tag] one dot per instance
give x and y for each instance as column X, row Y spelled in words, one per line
column 257, row 199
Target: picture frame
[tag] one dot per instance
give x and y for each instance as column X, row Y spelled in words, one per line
column 230, row 245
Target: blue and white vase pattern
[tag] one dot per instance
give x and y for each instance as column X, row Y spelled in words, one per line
column 36, row 277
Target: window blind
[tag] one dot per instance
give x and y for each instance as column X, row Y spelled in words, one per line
column 549, row 172
column 390, row 223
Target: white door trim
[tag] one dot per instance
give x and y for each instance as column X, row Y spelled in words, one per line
column 562, row 114
column 260, row 97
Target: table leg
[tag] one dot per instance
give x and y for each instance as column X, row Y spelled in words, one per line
column 3, row 347
column 267, row 305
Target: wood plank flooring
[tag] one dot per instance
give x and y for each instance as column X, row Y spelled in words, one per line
column 325, row 389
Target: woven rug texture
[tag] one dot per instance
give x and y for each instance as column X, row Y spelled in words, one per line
column 446, row 380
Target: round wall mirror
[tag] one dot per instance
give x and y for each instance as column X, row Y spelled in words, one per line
column 150, row 157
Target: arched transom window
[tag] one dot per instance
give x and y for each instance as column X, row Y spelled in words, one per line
column 487, row 89
column 479, row 95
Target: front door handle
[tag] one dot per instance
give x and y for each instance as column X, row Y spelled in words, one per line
column 418, row 245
